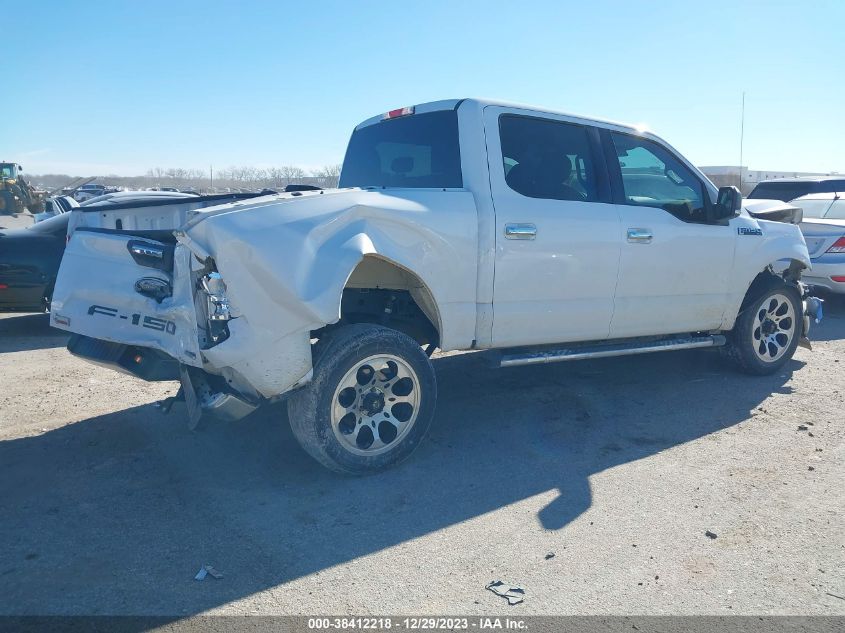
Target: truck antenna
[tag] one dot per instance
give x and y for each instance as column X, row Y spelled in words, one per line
column 741, row 138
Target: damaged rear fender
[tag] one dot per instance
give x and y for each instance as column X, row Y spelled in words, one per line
column 286, row 264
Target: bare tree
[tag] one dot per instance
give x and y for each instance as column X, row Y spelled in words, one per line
column 291, row 173
column 328, row 175
column 243, row 177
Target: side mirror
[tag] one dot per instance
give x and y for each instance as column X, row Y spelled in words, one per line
column 728, row 203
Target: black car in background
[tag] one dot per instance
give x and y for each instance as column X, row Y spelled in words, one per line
column 30, row 257
column 786, row 189
column 29, row 263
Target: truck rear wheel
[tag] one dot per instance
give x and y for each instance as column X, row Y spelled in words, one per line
column 370, row 402
column 768, row 329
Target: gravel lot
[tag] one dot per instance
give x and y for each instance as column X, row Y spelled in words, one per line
column 618, row 467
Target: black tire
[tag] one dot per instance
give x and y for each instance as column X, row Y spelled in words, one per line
column 747, row 346
column 8, row 203
column 310, row 409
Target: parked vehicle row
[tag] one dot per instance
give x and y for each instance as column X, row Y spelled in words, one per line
column 461, row 224
column 91, row 190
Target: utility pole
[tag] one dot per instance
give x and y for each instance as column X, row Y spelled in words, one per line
column 211, row 170
column 741, row 138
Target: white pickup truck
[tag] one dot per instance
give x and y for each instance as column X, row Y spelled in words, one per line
column 459, row 225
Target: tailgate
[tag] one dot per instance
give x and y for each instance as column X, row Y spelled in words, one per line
column 113, row 286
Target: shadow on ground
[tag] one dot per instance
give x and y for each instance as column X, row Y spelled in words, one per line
column 115, row 514
column 24, row 332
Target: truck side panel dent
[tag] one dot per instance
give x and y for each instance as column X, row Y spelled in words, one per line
column 286, row 262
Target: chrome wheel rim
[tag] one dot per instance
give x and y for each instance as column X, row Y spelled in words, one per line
column 375, row 405
column 773, row 328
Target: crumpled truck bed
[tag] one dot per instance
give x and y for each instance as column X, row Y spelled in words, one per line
column 285, row 260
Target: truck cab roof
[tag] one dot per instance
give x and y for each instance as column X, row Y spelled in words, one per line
column 473, row 102
column 429, row 145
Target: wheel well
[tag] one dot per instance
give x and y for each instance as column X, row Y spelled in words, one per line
column 761, row 282
column 381, row 292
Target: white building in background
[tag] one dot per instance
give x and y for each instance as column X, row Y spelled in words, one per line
column 745, row 178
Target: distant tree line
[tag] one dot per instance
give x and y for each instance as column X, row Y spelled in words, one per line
column 250, row 178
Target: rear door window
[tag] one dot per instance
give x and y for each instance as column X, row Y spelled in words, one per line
column 547, row 159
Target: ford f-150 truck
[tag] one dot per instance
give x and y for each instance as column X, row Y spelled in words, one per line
column 458, row 225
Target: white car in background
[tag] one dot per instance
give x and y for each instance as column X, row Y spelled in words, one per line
column 55, row 205
column 823, row 227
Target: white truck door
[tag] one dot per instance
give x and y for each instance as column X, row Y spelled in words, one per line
column 557, row 231
column 675, row 267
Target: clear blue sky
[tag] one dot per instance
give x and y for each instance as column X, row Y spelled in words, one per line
column 100, row 87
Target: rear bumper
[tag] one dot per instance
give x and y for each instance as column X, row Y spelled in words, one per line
column 822, row 272
column 153, row 365
column 141, row 362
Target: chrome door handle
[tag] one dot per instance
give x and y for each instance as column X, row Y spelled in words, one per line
column 640, row 236
column 520, row 231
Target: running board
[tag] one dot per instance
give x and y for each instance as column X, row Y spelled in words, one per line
column 524, row 356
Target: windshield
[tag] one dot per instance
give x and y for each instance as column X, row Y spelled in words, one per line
column 7, row 170
column 419, row 150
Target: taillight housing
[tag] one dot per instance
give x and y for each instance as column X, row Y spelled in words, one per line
column 218, row 310
column 838, row 246
column 399, row 112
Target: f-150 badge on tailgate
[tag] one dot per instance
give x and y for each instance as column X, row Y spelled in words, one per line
column 153, row 323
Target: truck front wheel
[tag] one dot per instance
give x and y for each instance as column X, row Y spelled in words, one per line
column 768, row 329
column 370, row 402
